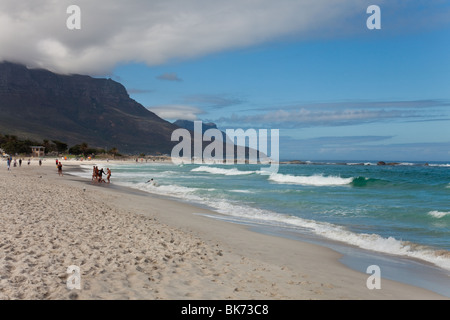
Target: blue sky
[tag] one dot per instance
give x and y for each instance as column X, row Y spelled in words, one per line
column 310, row 68
column 378, row 95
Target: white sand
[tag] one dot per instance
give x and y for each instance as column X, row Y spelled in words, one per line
column 138, row 246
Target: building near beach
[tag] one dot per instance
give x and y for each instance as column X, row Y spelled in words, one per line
column 3, row 153
column 37, row 151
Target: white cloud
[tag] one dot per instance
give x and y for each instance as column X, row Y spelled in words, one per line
column 154, row 32
column 305, row 117
column 176, row 112
column 340, row 113
column 213, row 100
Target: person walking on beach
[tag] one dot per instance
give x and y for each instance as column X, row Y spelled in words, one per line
column 29, row 161
column 8, row 164
column 20, row 162
column 40, row 162
column 60, row 173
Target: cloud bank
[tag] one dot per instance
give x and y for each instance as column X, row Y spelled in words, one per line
column 154, row 32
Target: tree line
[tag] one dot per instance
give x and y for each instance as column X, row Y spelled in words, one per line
column 13, row 145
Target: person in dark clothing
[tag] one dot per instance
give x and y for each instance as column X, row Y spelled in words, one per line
column 100, row 175
column 60, row 169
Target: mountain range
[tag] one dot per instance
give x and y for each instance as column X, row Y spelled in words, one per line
column 38, row 104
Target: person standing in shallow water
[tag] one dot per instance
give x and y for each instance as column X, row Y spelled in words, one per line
column 100, row 175
column 108, row 174
column 60, row 169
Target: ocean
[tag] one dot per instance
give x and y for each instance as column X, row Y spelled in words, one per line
column 396, row 216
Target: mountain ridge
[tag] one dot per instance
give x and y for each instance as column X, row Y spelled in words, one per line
column 39, row 104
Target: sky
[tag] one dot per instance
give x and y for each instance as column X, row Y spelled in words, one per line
column 334, row 88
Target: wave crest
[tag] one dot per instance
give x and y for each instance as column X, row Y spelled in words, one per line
column 314, row 180
column 438, row 214
column 227, row 172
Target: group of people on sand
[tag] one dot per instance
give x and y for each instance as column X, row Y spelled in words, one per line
column 97, row 175
column 10, row 162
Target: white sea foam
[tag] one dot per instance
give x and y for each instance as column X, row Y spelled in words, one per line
column 372, row 242
column 227, row 172
column 388, row 245
column 314, row 180
column 361, row 163
column 440, row 165
column 438, row 214
column 171, row 190
column 241, row 191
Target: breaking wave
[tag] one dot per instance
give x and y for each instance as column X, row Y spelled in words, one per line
column 438, row 214
column 314, row 180
column 227, row 172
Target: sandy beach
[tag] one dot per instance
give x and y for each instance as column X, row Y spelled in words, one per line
column 133, row 245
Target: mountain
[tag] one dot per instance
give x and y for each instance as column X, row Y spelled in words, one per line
column 38, row 104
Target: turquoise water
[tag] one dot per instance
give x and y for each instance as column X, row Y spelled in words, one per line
column 402, row 210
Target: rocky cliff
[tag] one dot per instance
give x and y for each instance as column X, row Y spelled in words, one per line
column 39, row 104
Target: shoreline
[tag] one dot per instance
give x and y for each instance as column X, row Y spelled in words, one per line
column 237, row 263
column 406, row 269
